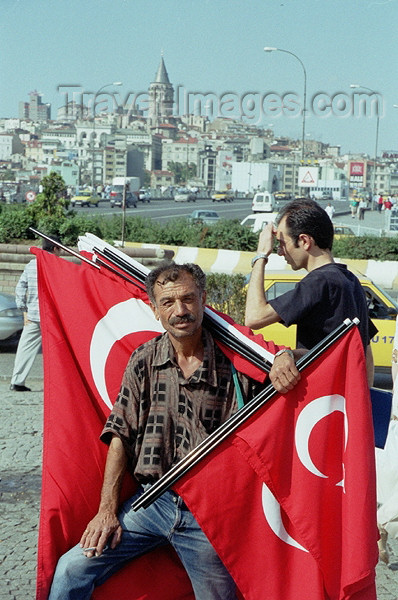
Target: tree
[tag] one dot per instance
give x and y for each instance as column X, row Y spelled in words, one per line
column 182, row 171
column 52, row 200
column 47, row 212
column 7, row 175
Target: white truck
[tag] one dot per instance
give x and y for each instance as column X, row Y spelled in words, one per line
column 132, row 182
column 132, row 190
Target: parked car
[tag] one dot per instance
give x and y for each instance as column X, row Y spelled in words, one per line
column 209, row 217
column 11, row 318
column 85, row 199
column 258, row 221
column 184, row 195
column 117, row 200
column 224, row 196
column 382, row 308
column 144, row 195
column 342, row 231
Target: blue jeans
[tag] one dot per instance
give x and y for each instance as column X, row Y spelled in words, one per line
column 166, row 521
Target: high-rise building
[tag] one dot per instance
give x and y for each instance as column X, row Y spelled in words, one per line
column 35, row 110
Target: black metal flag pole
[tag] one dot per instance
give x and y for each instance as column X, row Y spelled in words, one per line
column 238, row 419
column 65, row 248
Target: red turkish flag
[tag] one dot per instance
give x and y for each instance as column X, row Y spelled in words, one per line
column 91, row 322
column 289, row 501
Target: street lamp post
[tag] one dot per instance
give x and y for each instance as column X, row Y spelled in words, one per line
column 269, row 49
column 93, row 142
column 363, row 87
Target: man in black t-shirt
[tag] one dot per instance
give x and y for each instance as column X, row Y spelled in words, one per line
column 327, row 295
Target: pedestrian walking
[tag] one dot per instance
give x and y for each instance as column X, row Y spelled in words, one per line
column 27, row 299
column 361, row 209
column 330, row 211
column 354, row 207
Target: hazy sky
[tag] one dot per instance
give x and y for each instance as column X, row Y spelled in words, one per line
column 215, row 47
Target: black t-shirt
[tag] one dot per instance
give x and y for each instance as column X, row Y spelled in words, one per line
column 321, row 301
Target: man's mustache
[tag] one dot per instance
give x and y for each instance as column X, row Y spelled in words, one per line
column 189, row 318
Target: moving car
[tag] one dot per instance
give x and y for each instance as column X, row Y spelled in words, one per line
column 117, row 200
column 209, row 217
column 383, row 311
column 144, row 195
column 184, row 195
column 224, row 196
column 85, row 199
column 11, row 318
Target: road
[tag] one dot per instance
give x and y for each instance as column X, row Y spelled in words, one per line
column 166, row 209
column 163, row 210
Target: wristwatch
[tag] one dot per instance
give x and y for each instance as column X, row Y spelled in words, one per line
column 283, row 351
column 258, row 256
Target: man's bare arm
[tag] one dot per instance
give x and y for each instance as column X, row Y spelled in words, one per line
column 105, row 528
column 258, row 312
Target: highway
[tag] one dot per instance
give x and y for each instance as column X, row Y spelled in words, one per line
column 166, row 209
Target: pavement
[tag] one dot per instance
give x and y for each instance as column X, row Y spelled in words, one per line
column 20, row 464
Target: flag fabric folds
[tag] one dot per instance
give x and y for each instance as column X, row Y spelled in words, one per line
column 290, row 501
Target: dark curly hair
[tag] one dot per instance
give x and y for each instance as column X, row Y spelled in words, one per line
column 172, row 272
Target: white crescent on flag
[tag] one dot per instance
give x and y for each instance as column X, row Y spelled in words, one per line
column 306, row 421
column 130, row 316
column 272, row 513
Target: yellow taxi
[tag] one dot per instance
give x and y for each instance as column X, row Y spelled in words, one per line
column 223, row 196
column 383, row 311
column 85, row 198
column 342, row 231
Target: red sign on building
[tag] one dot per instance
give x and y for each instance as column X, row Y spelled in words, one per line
column 357, row 169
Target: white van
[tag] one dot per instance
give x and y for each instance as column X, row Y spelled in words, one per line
column 263, row 202
column 257, row 222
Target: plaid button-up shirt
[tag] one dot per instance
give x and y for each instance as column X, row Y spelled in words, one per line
column 160, row 416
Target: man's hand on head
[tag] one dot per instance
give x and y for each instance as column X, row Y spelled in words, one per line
column 266, row 239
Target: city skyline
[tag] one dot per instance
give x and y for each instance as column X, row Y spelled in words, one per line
column 215, row 49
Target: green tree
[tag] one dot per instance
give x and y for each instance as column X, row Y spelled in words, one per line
column 147, row 179
column 47, row 212
column 182, row 171
column 52, row 200
column 7, row 175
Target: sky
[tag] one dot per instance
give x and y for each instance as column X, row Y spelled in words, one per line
column 216, row 48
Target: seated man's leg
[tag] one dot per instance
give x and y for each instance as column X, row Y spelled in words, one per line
column 209, row 577
column 76, row 575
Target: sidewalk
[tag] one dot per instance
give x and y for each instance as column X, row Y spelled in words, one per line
column 20, row 464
